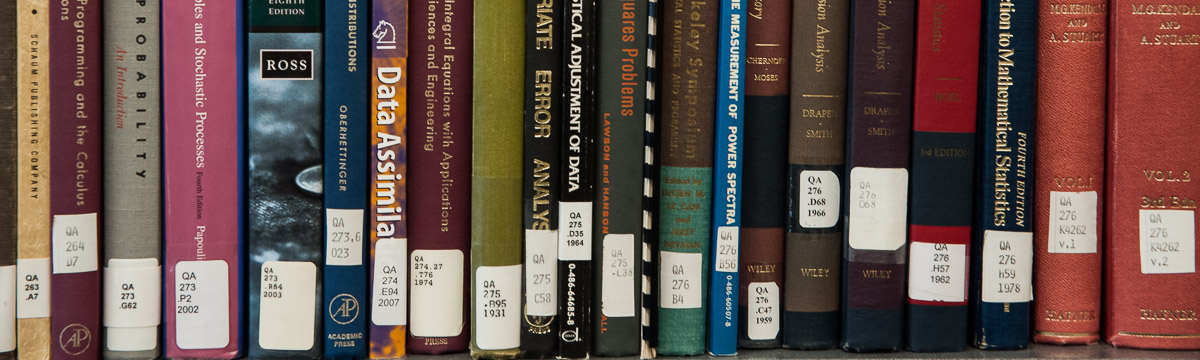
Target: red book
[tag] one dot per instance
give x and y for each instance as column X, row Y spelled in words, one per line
column 1151, row 281
column 75, row 244
column 1070, row 176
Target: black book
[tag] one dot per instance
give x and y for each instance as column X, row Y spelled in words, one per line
column 575, row 205
column 649, row 201
column 8, row 181
column 541, row 168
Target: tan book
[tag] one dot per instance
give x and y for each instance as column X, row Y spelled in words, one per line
column 33, row 175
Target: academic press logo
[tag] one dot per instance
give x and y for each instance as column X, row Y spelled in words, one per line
column 75, row 339
column 343, row 309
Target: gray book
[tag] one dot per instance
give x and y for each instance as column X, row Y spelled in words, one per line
column 132, row 180
column 8, row 181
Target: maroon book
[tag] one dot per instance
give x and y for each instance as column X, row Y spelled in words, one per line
column 439, row 167
column 75, row 85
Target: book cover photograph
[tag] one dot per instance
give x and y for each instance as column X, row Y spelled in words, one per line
column 284, row 180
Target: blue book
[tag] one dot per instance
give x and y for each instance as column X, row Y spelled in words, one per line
column 345, row 178
column 727, row 183
column 1002, row 248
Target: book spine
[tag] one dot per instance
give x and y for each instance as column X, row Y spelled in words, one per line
column 620, row 151
column 575, row 212
column 685, row 177
column 496, row 103
column 946, row 82
column 388, row 202
column 649, row 331
column 876, row 193
column 132, row 287
column 727, row 209
column 9, row 191
column 441, row 177
column 345, row 184
column 816, row 159
column 283, row 184
column 1070, row 178
column 542, row 169
column 33, row 199
column 203, row 78
column 1150, row 199
column 1001, row 285
column 75, row 233
column 768, row 28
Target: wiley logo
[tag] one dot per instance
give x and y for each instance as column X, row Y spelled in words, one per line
column 286, row 64
column 343, row 309
column 385, row 35
column 75, row 339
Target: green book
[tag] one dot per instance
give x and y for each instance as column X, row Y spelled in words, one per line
column 497, row 133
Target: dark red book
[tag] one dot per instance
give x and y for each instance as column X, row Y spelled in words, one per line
column 75, row 84
column 1070, row 178
column 946, row 79
column 1150, row 211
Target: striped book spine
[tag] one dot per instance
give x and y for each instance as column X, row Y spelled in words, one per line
column 132, row 299
column 203, row 118
column 389, row 209
column 649, row 334
column 727, row 181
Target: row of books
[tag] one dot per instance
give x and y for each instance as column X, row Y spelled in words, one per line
column 611, row 178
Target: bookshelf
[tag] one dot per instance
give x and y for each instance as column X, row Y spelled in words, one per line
column 1035, row 351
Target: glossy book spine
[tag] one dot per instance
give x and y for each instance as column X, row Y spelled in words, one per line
column 620, row 151
column 9, row 189
column 649, row 266
column 497, row 102
column 284, row 237
column 816, row 159
column 132, row 287
column 1150, row 197
column 1069, row 188
column 75, row 233
column 768, row 46
column 575, row 212
column 33, row 176
column 345, row 177
column 388, row 200
column 1002, row 239
column 879, row 127
column 439, row 148
column 685, row 173
column 542, row 169
column 727, row 181
column 946, row 82
column 203, row 168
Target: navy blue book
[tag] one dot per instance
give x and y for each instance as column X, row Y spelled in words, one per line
column 345, row 175
column 284, row 243
column 1002, row 244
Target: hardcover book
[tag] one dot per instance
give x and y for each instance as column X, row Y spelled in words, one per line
column 649, row 266
column 345, row 183
column 1002, row 237
column 33, row 179
column 946, row 83
column 8, row 183
column 879, row 127
column 75, row 231
column 440, row 160
column 727, row 182
column 203, row 118
column 685, row 174
column 132, row 288
column 1069, row 188
column 816, row 158
column 768, row 39
column 620, row 151
column 496, row 106
column 542, row 175
column 284, row 179
column 575, row 212
column 389, row 206
column 1150, row 208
